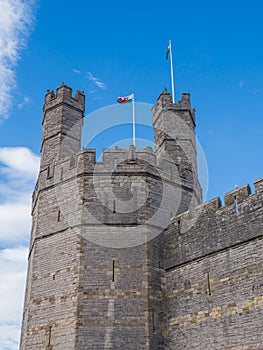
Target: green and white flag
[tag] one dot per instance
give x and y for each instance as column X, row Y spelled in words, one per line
column 125, row 99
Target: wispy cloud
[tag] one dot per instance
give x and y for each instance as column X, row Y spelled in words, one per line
column 76, row 71
column 96, row 81
column 24, row 102
column 16, row 21
column 95, row 84
column 241, row 83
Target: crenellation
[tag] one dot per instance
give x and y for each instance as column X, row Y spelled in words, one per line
column 49, row 95
column 237, row 195
column 164, row 99
column 185, row 100
column 110, row 158
column 185, row 105
column 124, row 254
column 213, row 204
column 86, row 160
column 240, row 196
column 80, row 97
column 64, row 95
column 62, row 125
column 258, row 184
column 211, row 228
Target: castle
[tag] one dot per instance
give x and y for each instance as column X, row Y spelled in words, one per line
column 124, row 254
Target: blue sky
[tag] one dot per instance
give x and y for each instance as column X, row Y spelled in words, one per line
column 110, row 49
column 217, row 58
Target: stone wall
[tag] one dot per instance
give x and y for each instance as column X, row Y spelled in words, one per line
column 214, row 274
column 52, row 293
column 109, row 269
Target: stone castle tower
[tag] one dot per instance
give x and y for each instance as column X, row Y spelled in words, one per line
column 108, row 267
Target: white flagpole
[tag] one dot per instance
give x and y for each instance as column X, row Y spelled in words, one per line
column 133, row 121
column 172, row 70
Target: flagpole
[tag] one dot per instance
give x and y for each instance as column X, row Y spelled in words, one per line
column 172, row 70
column 133, row 121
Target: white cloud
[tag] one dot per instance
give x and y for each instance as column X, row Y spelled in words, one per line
column 9, row 337
column 241, row 83
column 19, row 168
column 13, row 264
column 15, row 221
column 20, row 162
column 96, row 81
column 76, row 70
column 92, row 91
column 25, row 102
column 16, row 21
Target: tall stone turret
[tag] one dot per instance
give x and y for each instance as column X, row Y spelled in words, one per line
column 96, row 262
column 60, row 113
column 50, row 302
column 175, row 140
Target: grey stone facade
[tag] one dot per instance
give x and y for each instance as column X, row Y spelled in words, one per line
column 109, row 269
column 214, row 274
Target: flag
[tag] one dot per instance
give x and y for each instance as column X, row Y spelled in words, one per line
column 168, row 51
column 126, row 99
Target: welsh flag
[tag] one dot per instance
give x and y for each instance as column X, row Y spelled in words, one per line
column 126, row 99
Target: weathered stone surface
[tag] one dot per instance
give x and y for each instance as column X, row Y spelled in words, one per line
column 109, row 269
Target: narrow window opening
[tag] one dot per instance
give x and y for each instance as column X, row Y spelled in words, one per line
column 49, row 336
column 54, row 276
column 236, row 204
column 114, row 207
column 179, row 226
column 48, row 171
column 113, row 270
column 114, row 165
column 59, row 215
column 208, row 284
column 61, row 174
column 153, row 323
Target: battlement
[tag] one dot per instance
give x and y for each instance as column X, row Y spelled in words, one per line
column 64, row 95
column 258, row 184
column 62, row 124
column 106, row 256
column 237, row 195
column 211, row 226
column 232, row 199
column 122, row 165
column 164, row 101
column 117, row 160
column 173, row 158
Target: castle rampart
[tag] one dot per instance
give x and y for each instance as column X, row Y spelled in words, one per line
column 214, row 273
column 211, row 227
column 108, row 267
